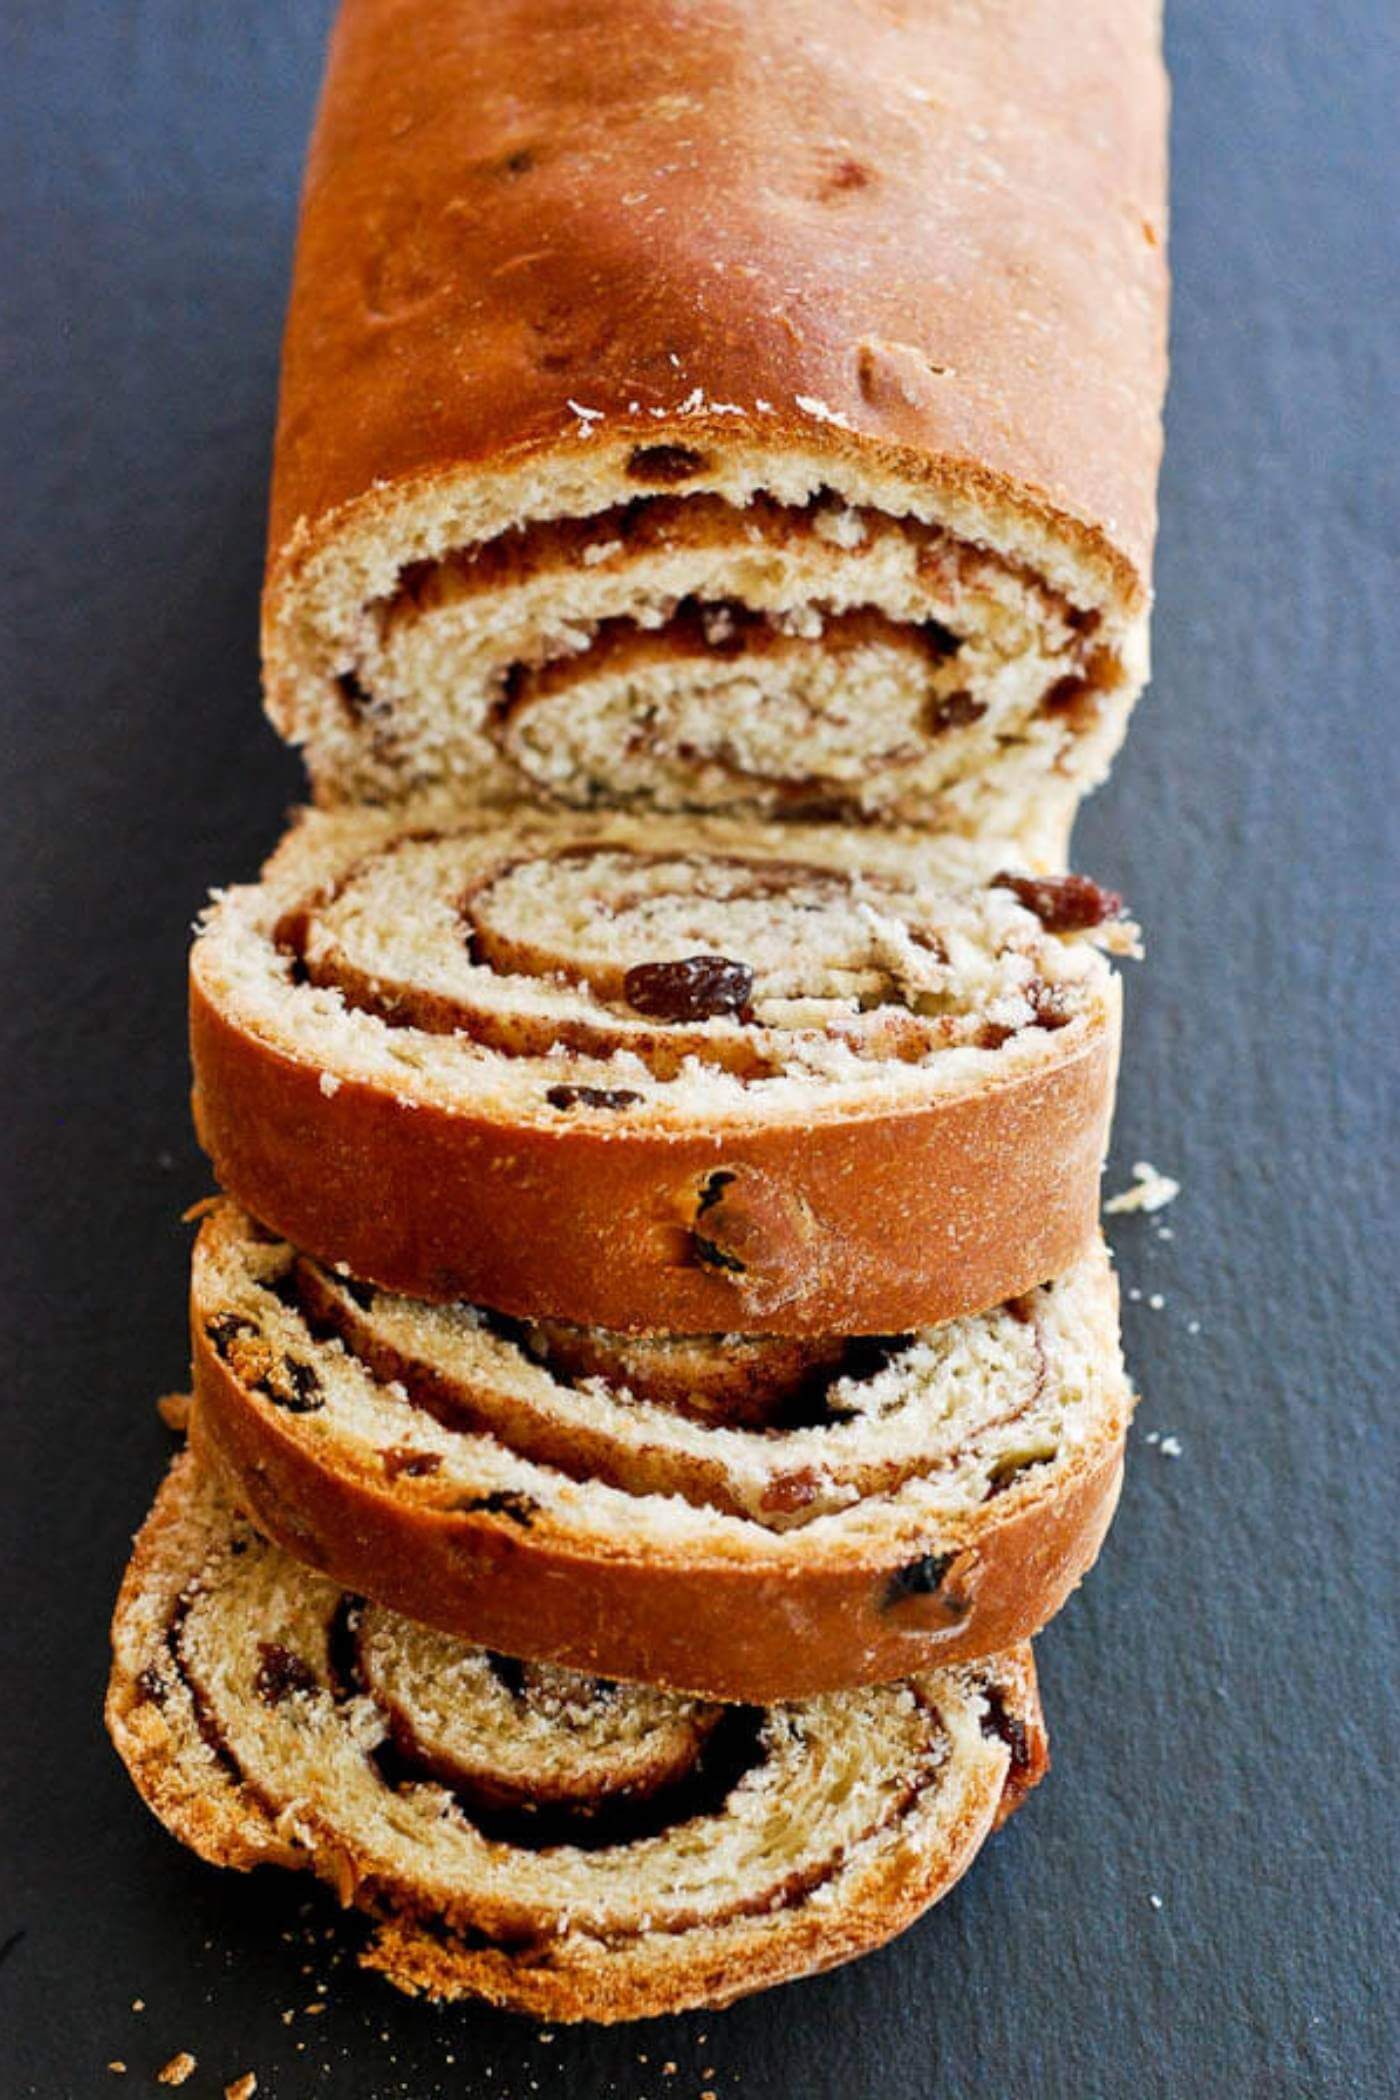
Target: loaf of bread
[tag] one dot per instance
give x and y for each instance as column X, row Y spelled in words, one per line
column 745, row 1517
column 567, row 1847
column 751, row 406
column 674, row 1073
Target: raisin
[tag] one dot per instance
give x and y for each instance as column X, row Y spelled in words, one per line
column 504, row 1502
column 787, row 1492
column 280, row 1674
column 695, row 989
column 152, row 1685
column 927, row 1578
column 225, row 1329
column 665, row 463
column 1009, row 1470
column 1049, row 1006
column 943, row 642
column 1062, row 903
column 591, row 1097
column 954, row 711
column 1004, row 1726
column 401, row 1458
column 922, row 1578
column 305, row 1395
column 708, row 1251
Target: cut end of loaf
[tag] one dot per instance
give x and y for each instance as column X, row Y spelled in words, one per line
column 774, row 632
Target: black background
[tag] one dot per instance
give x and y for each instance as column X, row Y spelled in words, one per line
column 1222, row 1694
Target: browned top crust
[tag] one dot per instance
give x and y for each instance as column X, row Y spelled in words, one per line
column 928, row 238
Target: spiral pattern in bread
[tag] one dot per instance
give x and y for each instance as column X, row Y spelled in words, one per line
column 672, row 1074
column 622, row 467
column 564, row 1846
column 745, row 1517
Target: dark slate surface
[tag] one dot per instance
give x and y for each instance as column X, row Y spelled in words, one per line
column 1223, row 1692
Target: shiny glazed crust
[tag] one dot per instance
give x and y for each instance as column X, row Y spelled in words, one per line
column 916, row 261
column 433, row 1465
column 874, row 1195
column 230, row 1705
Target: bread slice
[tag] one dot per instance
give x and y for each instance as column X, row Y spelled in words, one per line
column 742, row 1517
column 619, row 466
column 565, row 1847
column 673, row 1073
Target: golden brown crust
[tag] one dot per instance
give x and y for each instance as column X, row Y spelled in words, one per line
column 722, row 1629
column 862, row 1226
column 940, row 230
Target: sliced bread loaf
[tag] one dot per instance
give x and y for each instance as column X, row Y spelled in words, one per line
column 617, row 465
column 742, row 1517
column 682, row 1074
column 566, row 1847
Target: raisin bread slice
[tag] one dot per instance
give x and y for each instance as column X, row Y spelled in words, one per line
column 812, row 475
column 742, row 1517
column 678, row 1074
column 566, row 1847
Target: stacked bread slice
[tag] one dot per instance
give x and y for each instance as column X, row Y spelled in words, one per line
column 655, row 1363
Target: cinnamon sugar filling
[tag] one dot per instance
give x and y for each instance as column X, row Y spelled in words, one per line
column 680, row 651
column 279, row 1681
column 770, row 1389
column 596, row 949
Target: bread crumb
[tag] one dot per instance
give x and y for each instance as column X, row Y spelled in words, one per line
column 1153, row 1190
column 177, row 2070
column 1193, row 1326
column 1156, row 1301
column 330, row 1084
column 1170, row 1447
column 138, row 2005
column 1155, row 1901
column 117, row 2065
column 174, row 1411
column 242, row 2088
